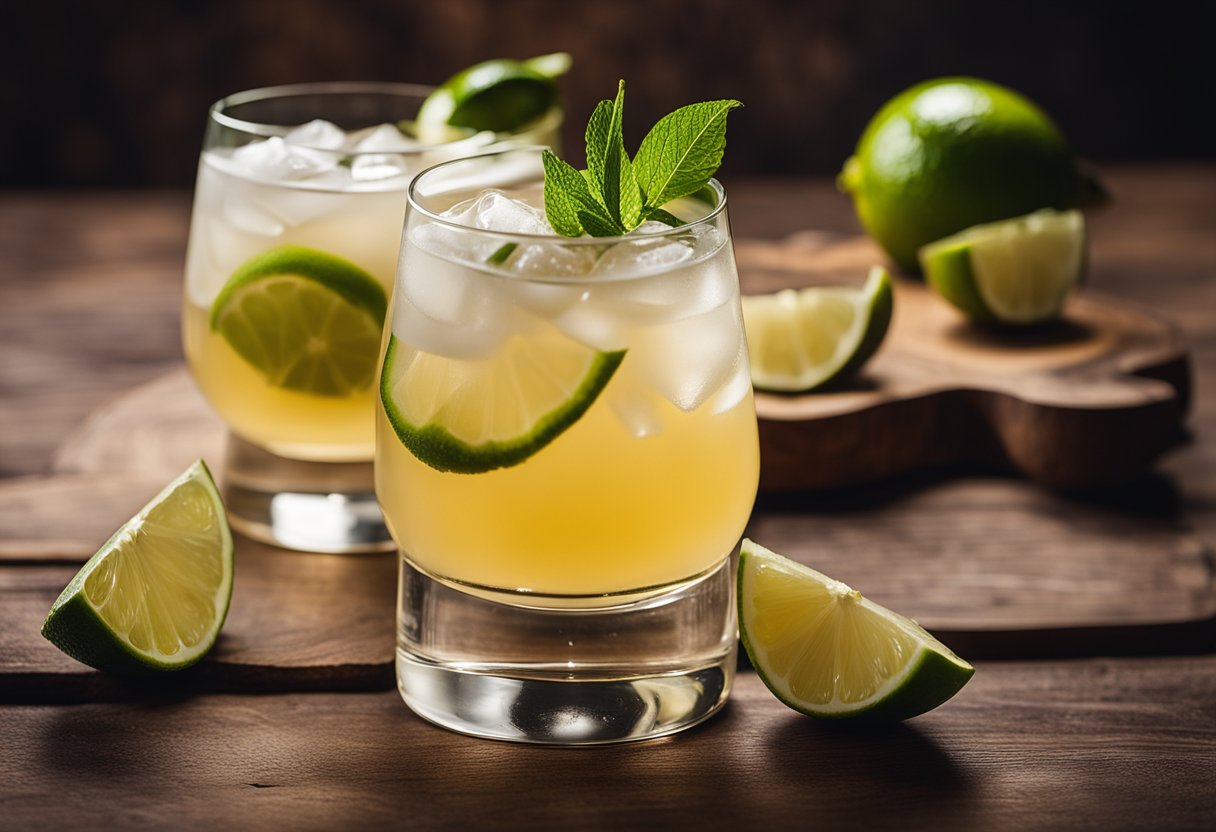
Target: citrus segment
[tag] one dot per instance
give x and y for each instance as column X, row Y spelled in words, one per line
column 473, row 416
column 155, row 596
column 1018, row 271
column 800, row 340
column 307, row 320
column 826, row 651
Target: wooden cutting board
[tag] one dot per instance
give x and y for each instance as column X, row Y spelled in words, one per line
column 1092, row 400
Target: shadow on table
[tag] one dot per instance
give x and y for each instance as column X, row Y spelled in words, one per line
column 850, row 776
column 1153, row 496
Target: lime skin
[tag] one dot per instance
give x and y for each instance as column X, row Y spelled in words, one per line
column 951, row 153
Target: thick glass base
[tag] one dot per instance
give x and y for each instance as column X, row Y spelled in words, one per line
column 542, row 671
column 307, row 506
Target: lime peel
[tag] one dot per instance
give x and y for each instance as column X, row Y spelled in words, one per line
column 498, row 95
column 435, row 445
column 810, row 339
column 1017, row 271
column 307, row 320
column 826, row 651
column 950, row 153
column 164, row 578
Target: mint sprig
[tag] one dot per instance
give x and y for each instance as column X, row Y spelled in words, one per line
column 615, row 194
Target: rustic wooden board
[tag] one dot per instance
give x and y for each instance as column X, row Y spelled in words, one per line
column 1093, row 400
column 1110, row 745
column 996, row 566
column 298, row 621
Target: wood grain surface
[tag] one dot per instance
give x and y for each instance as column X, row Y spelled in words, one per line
column 1088, row 579
column 1103, row 743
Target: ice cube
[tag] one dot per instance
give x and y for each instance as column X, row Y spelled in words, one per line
column 242, row 211
column 594, row 323
column 275, row 159
column 319, row 134
column 651, row 227
column 551, row 260
column 459, row 311
column 384, row 138
column 636, row 410
column 643, row 256
column 734, row 388
column 454, row 243
column 690, row 289
column 493, row 210
column 369, row 167
column 544, row 299
column 688, row 360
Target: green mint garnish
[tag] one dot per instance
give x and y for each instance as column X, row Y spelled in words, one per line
column 615, row 195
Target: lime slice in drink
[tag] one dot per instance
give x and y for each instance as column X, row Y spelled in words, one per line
column 498, row 95
column 156, row 594
column 801, row 340
column 307, row 320
column 473, row 416
column 1015, row 271
column 826, row 651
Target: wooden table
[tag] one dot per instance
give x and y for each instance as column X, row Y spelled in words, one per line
column 1119, row 735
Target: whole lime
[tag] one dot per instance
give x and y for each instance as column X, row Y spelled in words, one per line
column 951, row 153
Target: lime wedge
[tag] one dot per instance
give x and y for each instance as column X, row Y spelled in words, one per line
column 473, row 416
column 1017, row 271
column 498, row 95
column 801, row 340
column 155, row 596
column 307, row 320
column 826, row 651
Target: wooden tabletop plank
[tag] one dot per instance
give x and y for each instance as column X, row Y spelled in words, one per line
column 89, row 295
column 1104, row 745
column 1000, row 567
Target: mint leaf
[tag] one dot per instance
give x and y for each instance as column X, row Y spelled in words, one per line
column 681, row 152
column 599, row 225
column 608, row 167
column 613, row 194
column 621, row 194
column 597, row 145
column 659, row 215
column 568, row 199
column 561, row 208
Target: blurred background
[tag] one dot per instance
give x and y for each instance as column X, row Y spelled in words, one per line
column 113, row 93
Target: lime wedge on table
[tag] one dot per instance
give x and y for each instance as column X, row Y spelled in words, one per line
column 156, row 594
column 1017, row 271
column 826, row 651
column 800, row 340
column 497, row 95
column 473, row 416
column 307, row 320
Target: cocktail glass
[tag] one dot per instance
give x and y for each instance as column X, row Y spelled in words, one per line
column 293, row 247
column 566, row 455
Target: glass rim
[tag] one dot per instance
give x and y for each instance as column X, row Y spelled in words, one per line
column 412, row 204
column 217, row 112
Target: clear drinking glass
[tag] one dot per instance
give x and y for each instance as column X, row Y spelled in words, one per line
column 293, row 247
column 566, row 455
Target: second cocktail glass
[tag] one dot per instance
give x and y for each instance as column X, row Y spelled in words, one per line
column 566, row 456
column 293, row 246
